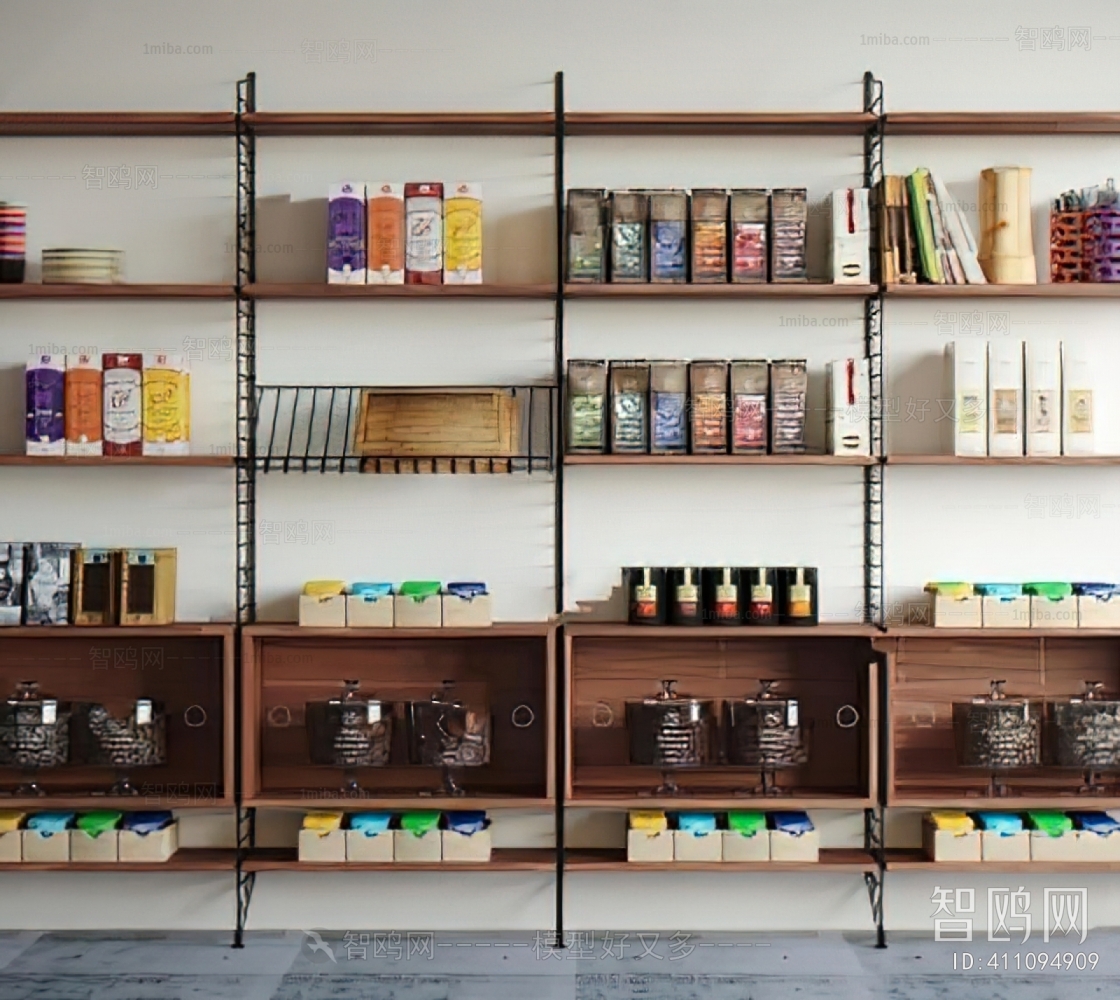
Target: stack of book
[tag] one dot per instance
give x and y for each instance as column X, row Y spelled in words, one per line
column 924, row 235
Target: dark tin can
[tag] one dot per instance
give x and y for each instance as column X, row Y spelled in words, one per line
column 759, row 595
column 686, row 606
column 721, row 595
column 797, row 595
column 645, row 594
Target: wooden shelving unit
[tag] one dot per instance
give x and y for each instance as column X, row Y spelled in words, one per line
column 186, row 859
column 29, row 290
column 429, row 123
column 722, row 292
column 293, row 290
column 1015, row 460
column 903, row 860
column 994, row 123
column 835, row 859
column 715, row 123
column 509, row 859
column 693, row 460
column 114, row 123
column 117, row 461
column 1063, row 290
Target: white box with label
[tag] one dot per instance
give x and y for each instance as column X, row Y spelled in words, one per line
column 362, row 846
column 369, row 610
column 1044, row 397
column 424, row 847
column 418, row 612
column 1005, row 398
column 320, row 845
column 689, row 846
column 1097, row 612
column 1078, row 401
column 1006, row 612
column 466, row 612
column 1098, row 846
column 957, row 612
column 643, row 845
column 46, row 848
column 1047, row 848
column 156, row 846
column 11, row 846
column 946, row 845
column 469, row 847
column 328, row 611
column 795, row 846
column 1059, row 613
column 86, row 847
column 1005, row 847
column 966, row 384
column 739, row 847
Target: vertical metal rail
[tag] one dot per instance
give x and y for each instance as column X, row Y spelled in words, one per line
column 874, row 590
column 246, row 462
column 559, row 438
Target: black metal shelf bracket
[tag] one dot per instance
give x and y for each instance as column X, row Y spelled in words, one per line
column 246, row 465
column 873, row 841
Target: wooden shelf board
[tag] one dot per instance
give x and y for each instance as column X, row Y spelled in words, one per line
column 186, row 859
column 1013, row 460
column 499, row 630
column 607, row 123
column 116, row 461
column 950, row 799
column 268, row 800
column 982, row 634
column 309, row 290
column 831, row 860
column 1060, row 290
column 914, row 859
column 509, row 859
column 581, row 798
column 109, row 123
column 129, row 803
column 308, row 123
column 1002, row 123
column 718, row 633
column 846, row 460
column 28, row 290
column 184, row 630
column 760, row 290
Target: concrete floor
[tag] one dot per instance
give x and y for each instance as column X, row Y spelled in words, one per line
column 306, row 966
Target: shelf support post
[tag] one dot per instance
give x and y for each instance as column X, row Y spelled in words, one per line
column 559, row 437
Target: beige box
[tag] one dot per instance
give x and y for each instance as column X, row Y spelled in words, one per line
column 47, row 848
column 787, row 847
column 466, row 612
column 1063, row 848
column 689, row 846
column 736, row 847
column 1007, row 612
column 425, row 612
column 317, row 846
column 649, row 847
column 1097, row 847
column 11, row 846
column 157, row 846
column 1012, row 847
column 103, row 847
column 1092, row 612
column 957, row 612
column 368, row 611
column 944, row 845
column 411, row 848
column 322, row 612
column 1060, row 613
column 466, row 847
column 361, row 846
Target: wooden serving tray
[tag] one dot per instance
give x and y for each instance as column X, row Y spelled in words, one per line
column 447, row 423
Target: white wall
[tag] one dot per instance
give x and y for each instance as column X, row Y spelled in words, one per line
column 485, row 55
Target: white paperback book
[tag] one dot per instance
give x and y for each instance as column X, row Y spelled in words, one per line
column 1044, row 397
column 1005, row 398
column 959, row 233
column 965, row 429
column 1078, row 404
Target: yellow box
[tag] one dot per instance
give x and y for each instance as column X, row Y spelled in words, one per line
column 167, row 405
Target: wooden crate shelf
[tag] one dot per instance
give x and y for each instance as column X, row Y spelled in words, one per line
column 186, row 859
column 835, row 859
column 609, row 664
column 508, row 859
column 504, row 667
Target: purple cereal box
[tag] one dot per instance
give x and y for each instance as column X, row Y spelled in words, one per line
column 46, row 394
column 346, row 234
